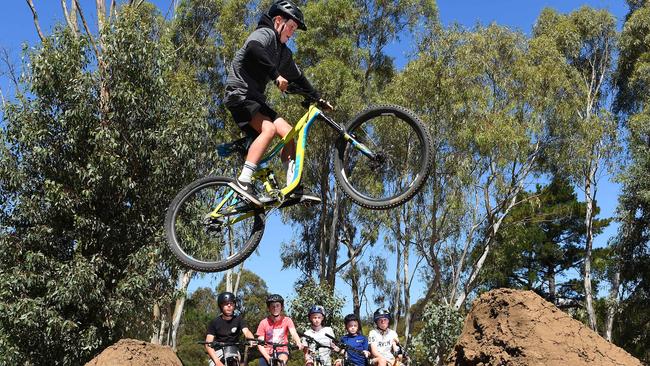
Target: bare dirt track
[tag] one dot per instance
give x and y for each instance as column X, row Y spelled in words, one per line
column 512, row 327
column 132, row 352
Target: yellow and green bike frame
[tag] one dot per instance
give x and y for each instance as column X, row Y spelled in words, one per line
column 231, row 204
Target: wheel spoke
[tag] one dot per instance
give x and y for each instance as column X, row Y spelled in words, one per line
column 209, row 228
column 401, row 158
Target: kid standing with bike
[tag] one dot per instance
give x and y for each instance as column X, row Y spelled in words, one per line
column 354, row 341
column 226, row 328
column 265, row 57
column 275, row 329
column 384, row 342
column 322, row 335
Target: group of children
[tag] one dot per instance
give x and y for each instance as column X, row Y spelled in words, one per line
column 381, row 348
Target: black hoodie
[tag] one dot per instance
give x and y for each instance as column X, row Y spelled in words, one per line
column 262, row 59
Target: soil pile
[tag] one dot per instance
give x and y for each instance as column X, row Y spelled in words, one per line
column 511, row 327
column 132, row 352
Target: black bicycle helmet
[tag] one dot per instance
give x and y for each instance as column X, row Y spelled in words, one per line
column 288, row 9
column 381, row 313
column 225, row 297
column 274, row 298
column 316, row 309
column 350, row 317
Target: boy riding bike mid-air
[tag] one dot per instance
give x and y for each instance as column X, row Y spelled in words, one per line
column 384, row 342
column 265, row 57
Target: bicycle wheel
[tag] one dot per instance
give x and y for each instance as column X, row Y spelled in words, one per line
column 402, row 159
column 206, row 243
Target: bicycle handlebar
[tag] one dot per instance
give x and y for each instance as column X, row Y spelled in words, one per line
column 346, row 347
column 295, row 89
column 272, row 344
column 312, row 340
column 217, row 344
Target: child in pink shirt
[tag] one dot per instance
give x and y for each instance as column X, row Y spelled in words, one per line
column 276, row 328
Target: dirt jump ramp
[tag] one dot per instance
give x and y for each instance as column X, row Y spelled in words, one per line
column 132, row 352
column 512, row 327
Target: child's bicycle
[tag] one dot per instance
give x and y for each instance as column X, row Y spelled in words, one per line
column 228, row 352
column 382, row 159
column 275, row 359
column 316, row 358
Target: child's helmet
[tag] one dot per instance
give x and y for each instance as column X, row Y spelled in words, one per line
column 350, row 317
column 381, row 313
column 288, row 9
column 316, row 309
column 225, row 297
column 274, row 298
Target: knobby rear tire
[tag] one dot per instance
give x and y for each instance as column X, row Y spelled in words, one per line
column 410, row 125
column 251, row 242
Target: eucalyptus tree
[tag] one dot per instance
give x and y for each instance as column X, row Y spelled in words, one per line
column 633, row 242
column 540, row 242
column 103, row 133
column 586, row 38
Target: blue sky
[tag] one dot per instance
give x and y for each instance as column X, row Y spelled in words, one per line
column 17, row 29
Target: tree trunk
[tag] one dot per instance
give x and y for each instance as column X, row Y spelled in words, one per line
column 334, row 240
column 238, row 281
column 325, row 234
column 398, row 283
column 159, row 333
column 354, row 285
column 589, row 220
column 183, row 282
column 71, row 16
column 407, row 296
column 612, row 304
column 101, row 15
column 551, row 285
column 229, row 280
column 155, row 336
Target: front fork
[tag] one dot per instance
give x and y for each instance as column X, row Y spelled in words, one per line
column 349, row 137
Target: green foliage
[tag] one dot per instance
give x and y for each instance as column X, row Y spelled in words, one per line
column 92, row 154
column 541, row 240
column 442, row 327
column 251, row 298
column 631, row 329
column 632, row 80
column 310, row 294
column 200, row 309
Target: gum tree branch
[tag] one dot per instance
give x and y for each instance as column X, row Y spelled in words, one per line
column 38, row 27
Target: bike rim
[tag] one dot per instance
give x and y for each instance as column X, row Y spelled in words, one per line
column 399, row 161
column 208, row 239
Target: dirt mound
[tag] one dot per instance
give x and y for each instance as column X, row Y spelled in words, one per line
column 132, row 352
column 511, row 327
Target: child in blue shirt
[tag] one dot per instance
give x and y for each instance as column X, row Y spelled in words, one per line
column 356, row 341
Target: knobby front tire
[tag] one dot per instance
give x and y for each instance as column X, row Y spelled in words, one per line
column 402, row 145
column 205, row 244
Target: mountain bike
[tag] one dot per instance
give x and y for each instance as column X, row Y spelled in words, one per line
column 228, row 352
column 317, row 360
column 382, row 159
column 275, row 357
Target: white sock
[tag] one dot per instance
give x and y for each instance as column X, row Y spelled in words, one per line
column 247, row 172
column 290, row 166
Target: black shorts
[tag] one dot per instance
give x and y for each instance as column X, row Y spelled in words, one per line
column 243, row 111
